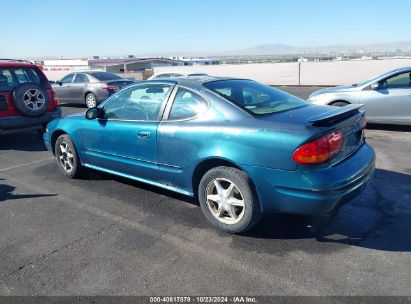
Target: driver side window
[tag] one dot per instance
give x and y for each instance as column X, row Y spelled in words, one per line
column 141, row 103
column 67, row 79
column 400, row 81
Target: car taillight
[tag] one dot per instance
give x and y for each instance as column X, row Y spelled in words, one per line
column 55, row 99
column 319, row 150
column 109, row 87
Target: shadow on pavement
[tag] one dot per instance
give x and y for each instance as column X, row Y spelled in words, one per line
column 74, row 105
column 6, row 193
column 30, row 141
column 380, row 218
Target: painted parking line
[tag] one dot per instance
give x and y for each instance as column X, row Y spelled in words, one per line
column 26, row 164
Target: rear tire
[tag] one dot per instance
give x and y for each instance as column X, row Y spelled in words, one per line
column 91, row 100
column 67, row 157
column 228, row 199
column 340, row 104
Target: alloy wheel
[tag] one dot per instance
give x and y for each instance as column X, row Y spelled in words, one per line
column 225, row 201
column 91, row 101
column 65, row 157
column 34, row 99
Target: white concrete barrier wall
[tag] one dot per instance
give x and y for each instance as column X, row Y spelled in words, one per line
column 312, row 73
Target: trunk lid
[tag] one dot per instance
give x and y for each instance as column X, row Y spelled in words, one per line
column 119, row 83
column 312, row 122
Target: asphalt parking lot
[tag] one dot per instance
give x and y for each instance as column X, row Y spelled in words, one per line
column 104, row 235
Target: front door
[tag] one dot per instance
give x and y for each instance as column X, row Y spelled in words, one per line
column 124, row 140
column 79, row 87
column 390, row 101
column 62, row 89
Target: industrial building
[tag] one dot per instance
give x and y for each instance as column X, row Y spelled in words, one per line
column 121, row 65
column 115, row 65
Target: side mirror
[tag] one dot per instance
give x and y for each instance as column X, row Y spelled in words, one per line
column 59, row 82
column 94, row 113
column 374, row 86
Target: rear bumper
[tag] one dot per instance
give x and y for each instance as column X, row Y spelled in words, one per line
column 17, row 123
column 314, row 191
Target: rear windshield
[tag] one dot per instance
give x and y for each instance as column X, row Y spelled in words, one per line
column 10, row 78
column 255, row 97
column 102, row 76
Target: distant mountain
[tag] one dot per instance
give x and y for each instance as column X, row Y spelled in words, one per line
column 283, row 49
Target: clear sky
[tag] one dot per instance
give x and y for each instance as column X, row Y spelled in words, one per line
column 118, row 27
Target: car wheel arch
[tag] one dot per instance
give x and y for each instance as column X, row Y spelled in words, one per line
column 54, row 137
column 207, row 164
column 86, row 93
column 339, row 101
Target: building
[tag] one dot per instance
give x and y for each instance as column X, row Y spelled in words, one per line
column 65, row 64
column 115, row 65
column 196, row 61
column 126, row 65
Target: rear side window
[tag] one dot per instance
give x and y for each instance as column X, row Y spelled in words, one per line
column 255, row 97
column 103, row 76
column 187, row 105
column 10, row 78
column 163, row 76
column 81, row 78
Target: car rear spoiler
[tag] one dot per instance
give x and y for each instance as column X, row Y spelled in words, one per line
column 334, row 115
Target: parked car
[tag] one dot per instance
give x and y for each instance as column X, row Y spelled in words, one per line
column 89, row 88
column 241, row 147
column 27, row 100
column 175, row 74
column 386, row 98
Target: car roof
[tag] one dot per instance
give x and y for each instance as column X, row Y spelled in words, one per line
column 401, row 69
column 16, row 64
column 195, row 81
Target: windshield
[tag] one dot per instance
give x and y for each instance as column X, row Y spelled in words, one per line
column 102, row 76
column 255, row 97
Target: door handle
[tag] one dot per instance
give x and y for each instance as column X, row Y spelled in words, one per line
column 143, row 134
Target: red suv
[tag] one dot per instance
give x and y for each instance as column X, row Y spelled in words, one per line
column 27, row 100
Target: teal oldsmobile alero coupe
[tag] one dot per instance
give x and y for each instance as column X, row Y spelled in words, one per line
column 241, row 147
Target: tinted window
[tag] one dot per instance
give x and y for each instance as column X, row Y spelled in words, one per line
column 103, row 76
column 397, row 82
column 255, row 97
column 81, row 78
column 12, row 77
column 137, row 103
column 68, row 78
column 187, row 104
column 163, row 76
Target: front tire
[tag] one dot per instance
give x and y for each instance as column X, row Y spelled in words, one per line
column 67, row 157
column 91, row 100
column 228, row 199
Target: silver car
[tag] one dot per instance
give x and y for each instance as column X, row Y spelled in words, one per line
column 89, row 88
column 386, row 98
column 175, row 74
